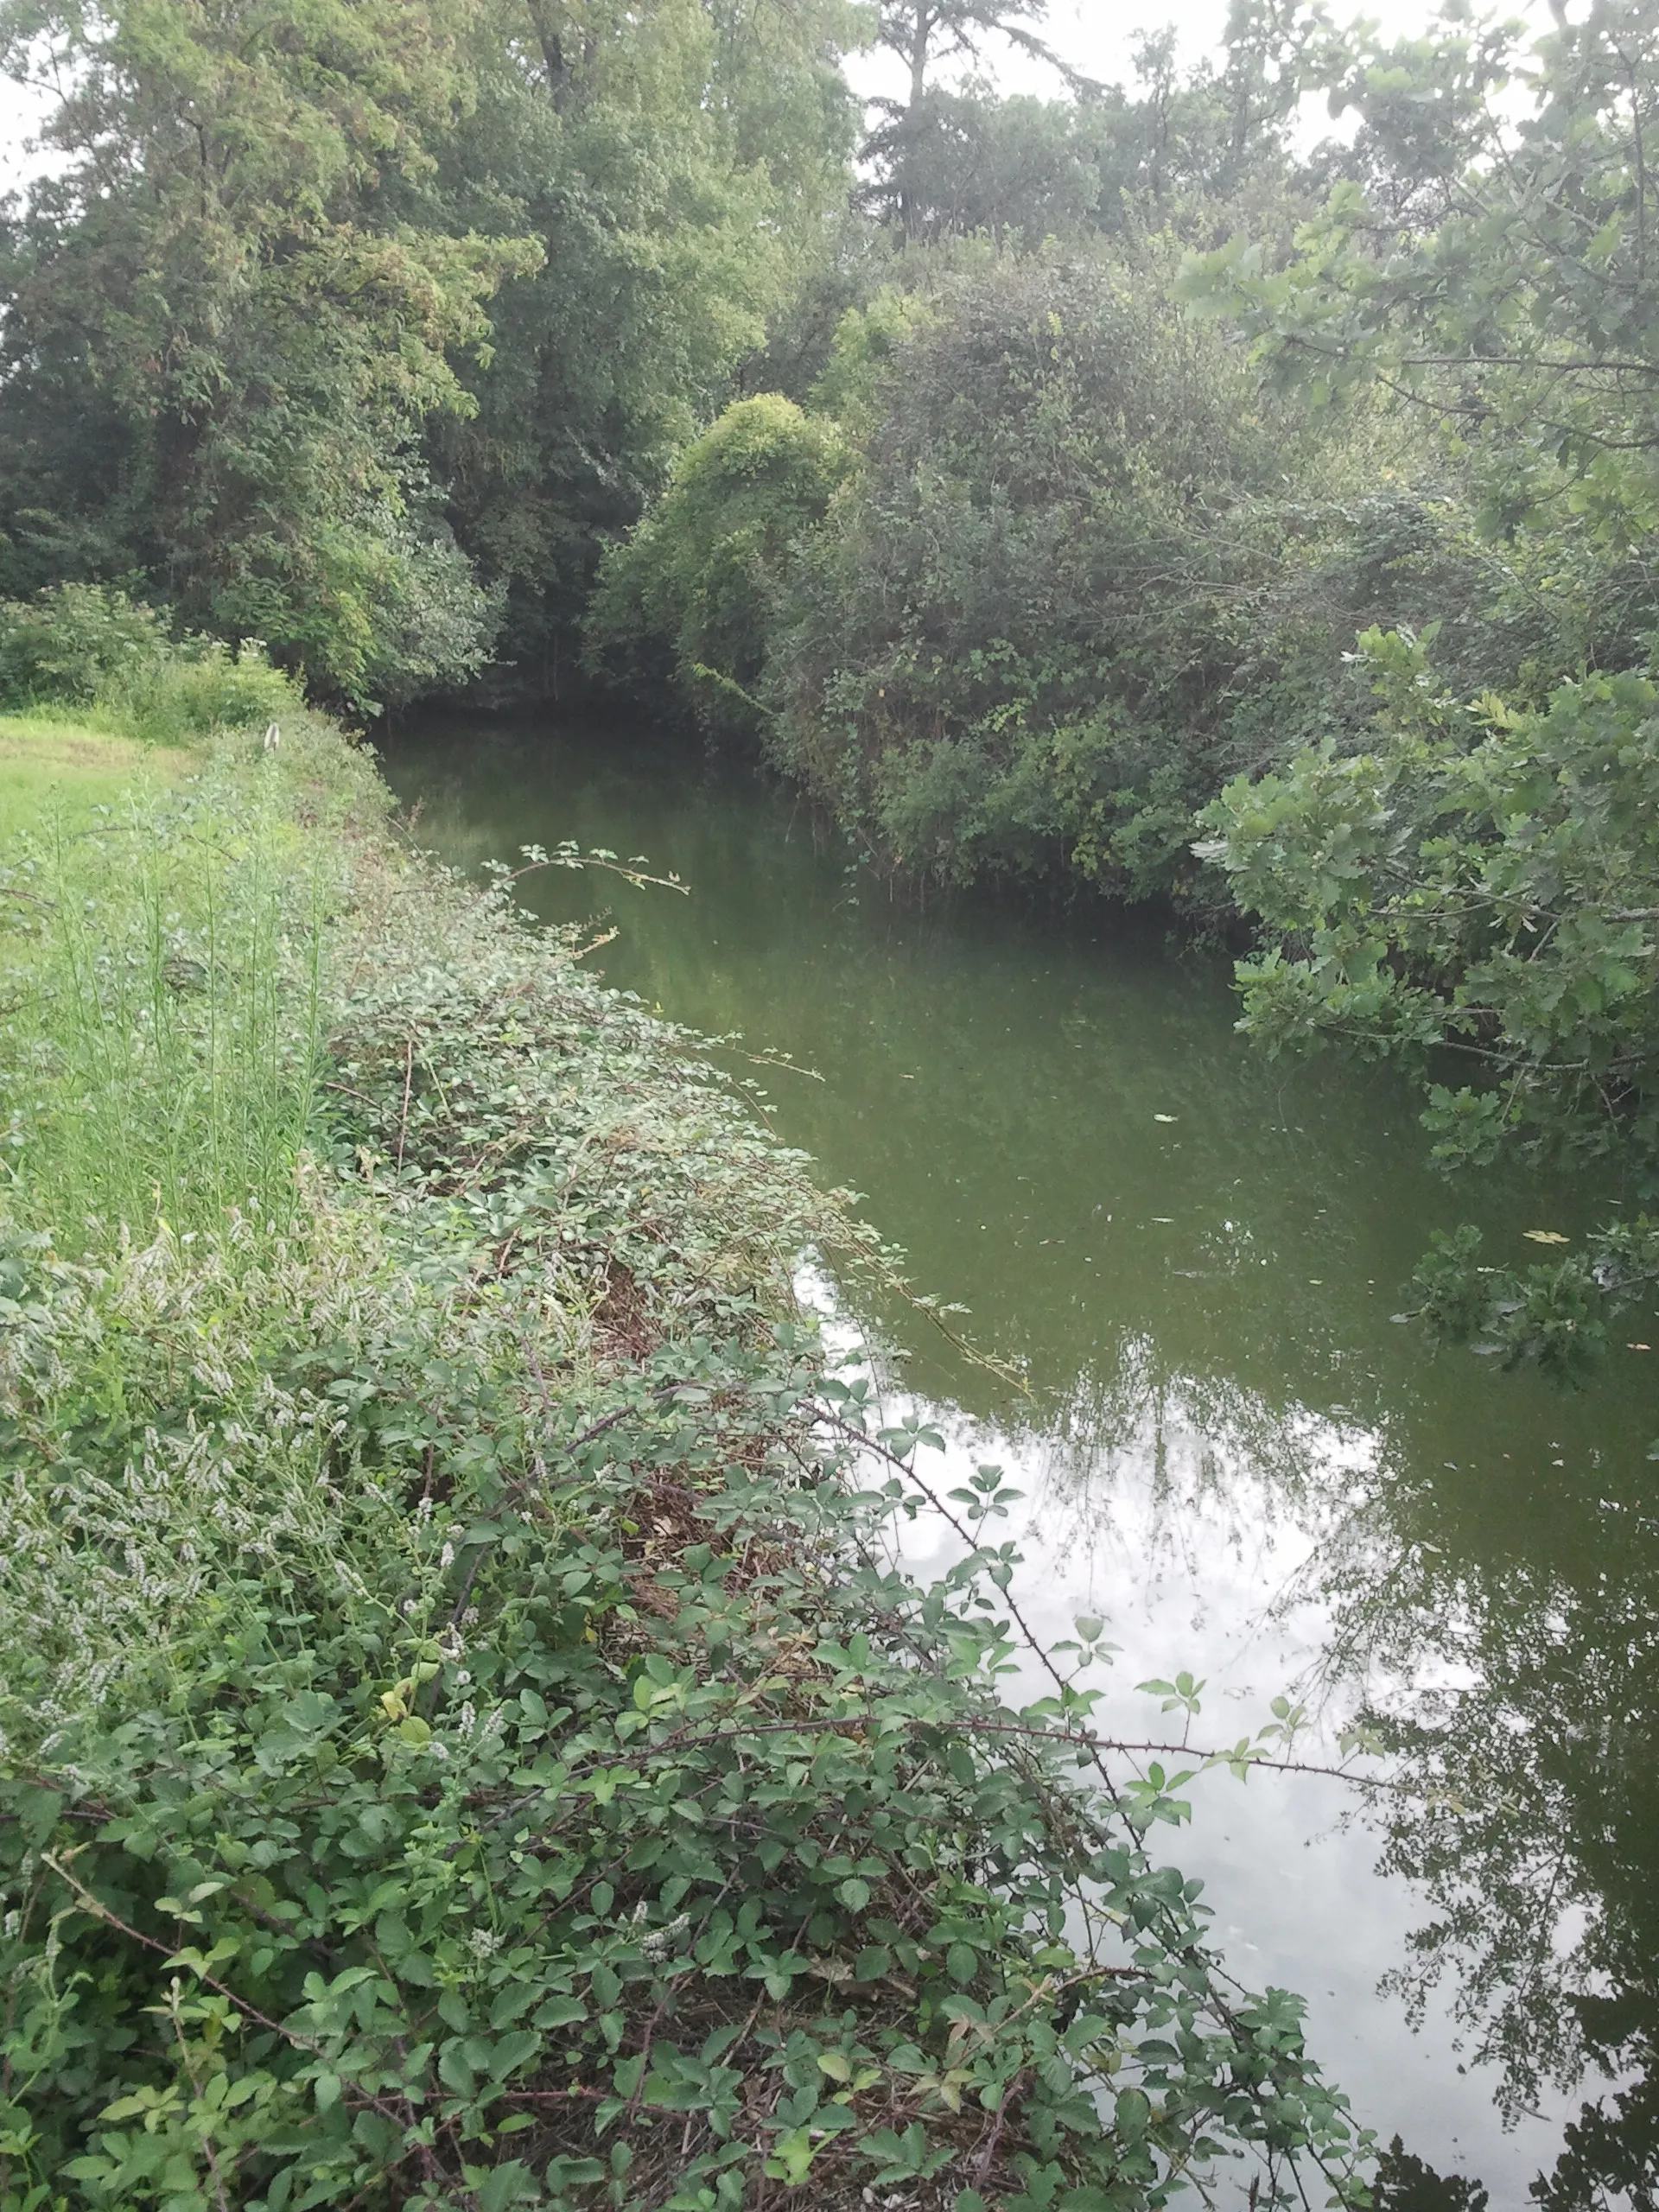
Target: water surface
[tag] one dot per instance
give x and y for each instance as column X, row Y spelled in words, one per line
column 1229, row 1449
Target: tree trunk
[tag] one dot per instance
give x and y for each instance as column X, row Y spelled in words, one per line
column 922, row 23
column 921, row 30
column 558, row 69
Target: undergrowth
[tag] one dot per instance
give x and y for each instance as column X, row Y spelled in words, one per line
column 465, row 1742
column 91, row 647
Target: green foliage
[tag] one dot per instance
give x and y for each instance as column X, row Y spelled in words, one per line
column 1197, row 151
column 907, row 142
column 460, row 1746
column 702, row 571
column 72, row 642
column 1484, row 884
column 1482, row 875
column 92, row 646
column 968, row 164
column 863, row 357
column 1494, row 269
column 219, row 356
column 1484, row 879
column 1022, row 639
column 683, row 168
column 200, row 685
column 275, row 337
column 1094, row 559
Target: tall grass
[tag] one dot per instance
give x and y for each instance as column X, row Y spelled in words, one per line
column 160, row 1052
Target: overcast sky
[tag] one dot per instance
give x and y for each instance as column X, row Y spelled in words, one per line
column 1093, row 36
column 19, row 116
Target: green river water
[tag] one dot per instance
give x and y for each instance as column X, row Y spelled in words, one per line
column 1227, row 1447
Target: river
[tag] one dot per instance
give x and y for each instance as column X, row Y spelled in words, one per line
column 1229, row 1448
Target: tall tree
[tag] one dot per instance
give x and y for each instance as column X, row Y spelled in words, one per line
column 1017, row 170
column 219, row 352
column 682, row 166
column 923, row 34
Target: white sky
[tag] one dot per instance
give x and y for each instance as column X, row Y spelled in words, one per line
column 1093, row 36
column 20, row 114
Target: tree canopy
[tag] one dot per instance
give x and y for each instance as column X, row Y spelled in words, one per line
column 275, row 333
column 219, row 353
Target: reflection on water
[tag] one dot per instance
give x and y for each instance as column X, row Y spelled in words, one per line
column 1227, row 1447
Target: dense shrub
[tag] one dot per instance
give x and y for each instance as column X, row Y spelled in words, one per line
column 1014, row 641
column 1473, row 893
column 1478, row 886
column 93, row 646
column 701, row 575
column 70, row 642
column 1082, row 567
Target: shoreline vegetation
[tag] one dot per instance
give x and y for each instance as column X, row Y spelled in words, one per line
column 465, row 1742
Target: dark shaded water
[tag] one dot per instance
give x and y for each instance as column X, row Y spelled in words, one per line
column 1227, row 1448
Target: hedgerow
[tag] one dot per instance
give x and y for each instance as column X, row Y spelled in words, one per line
column 466, row 1743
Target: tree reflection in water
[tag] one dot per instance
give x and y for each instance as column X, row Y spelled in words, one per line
column 1405, row 2183
column 1500, row 1632
column 1532, row 1831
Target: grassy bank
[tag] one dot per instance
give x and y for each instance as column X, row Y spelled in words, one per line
column 53, row 770
column 463, row 1743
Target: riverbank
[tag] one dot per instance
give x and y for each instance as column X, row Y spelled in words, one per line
column 462, row 1746
column 52, row 769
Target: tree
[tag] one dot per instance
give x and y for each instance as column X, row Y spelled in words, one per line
column 1266, row 43
column 1174, row 148
column 1481, row 873
column 1502, row 276
column 923, row 34
column 684, row 170
column 1015, row 170
column 218, row 353
column 1484, row 880
column 277, row 342
column 1018, row 643
column 701, row 572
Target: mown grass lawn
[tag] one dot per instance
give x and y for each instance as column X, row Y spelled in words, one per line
column 57, row 768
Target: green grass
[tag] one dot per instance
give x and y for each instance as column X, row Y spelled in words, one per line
column 55, row 769
column 157, row 963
